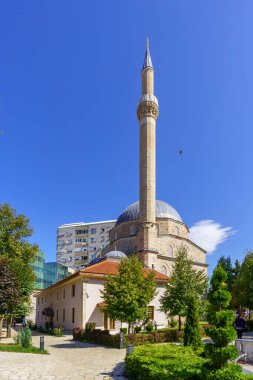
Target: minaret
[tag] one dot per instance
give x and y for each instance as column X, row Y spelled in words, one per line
column 147, row 112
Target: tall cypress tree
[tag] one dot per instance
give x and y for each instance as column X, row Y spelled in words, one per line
column 192, row 336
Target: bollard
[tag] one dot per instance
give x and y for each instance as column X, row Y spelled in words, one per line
column 130, row 349
column 121, row 340
column 42, row 343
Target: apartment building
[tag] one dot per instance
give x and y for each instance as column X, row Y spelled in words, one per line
column 78, row 243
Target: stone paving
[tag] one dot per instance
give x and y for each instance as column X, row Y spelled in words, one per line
column 67, row 360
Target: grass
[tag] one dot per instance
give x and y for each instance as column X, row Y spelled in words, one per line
column 13, row 347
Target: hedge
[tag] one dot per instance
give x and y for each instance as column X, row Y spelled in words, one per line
column 173, row 362
column 166, row 362
column 104, row 338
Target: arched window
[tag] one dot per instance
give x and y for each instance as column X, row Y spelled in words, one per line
column 170, row 251
column 164, row 270
column 176, row 230
column 116, row 235
column 132, row 230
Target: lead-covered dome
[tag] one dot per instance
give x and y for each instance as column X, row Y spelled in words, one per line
column 163, row 210
column 117, row 254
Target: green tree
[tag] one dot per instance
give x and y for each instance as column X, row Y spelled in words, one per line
column 185, row 281
column 10, row 294
column 192, row 336
column 15, row 246
column 128, row 293
column 244, row 283
column 226, row 264
column 222, row 331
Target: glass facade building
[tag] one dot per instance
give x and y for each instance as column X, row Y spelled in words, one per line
column 48, row 274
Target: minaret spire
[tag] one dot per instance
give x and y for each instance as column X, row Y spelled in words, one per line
column 147, row 60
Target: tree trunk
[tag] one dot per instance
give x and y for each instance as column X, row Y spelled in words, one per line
column 1, row 325
column 179, row 323
column 9, row 322
column 129, row 328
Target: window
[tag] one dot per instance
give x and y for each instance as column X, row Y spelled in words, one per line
column 69, row 251
column 176, row 231
column 81, row 240
column 73, row 315
column 102, row 238
column 116, row 236
column 170, row 251
column 93, row 240
column 63, row 294
column 61, row 242
column 102, row 230
column 81, row 232
column 57, row 315
column 132, row 230
column 63, row 315
column 93, row 230
column 93, row 249
column 57, row 296
column 73, row 290
column 68, row 241
column 164, row 270
column 151, row 313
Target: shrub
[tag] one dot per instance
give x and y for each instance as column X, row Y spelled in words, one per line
column 24, row 338
column 48, row 326
column 220, row 355
column 90, row 327
column 57, row 331
column 172, row 322
column 231, row 371
column 149, row 327
column 124, row 330
column 221, row 335
column 165, row 362
column 192, row 335
column 137, row 329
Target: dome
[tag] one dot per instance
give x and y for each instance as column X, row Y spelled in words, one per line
column 163, row 210
column 117, row 254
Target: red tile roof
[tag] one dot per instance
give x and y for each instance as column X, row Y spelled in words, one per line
column 111, row 267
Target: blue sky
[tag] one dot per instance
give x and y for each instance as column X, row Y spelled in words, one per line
column 69, row 86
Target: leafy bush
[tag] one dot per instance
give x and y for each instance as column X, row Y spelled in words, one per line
column 231, row 371
column 24, row 338
column 57, row 331
column 48, row 326
column 149, row 327
column 166, row 362
column 90, row 327
column 137, row 329
column 221, row 335
column 41, row 329
column 220, row 355
column 124, row 330
column 172, row 322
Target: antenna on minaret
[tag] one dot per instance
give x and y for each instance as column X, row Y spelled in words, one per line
column 147, row 43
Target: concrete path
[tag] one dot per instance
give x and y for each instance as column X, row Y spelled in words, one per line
column 68, row 360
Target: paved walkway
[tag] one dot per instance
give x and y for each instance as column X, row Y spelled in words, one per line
column 68, row 360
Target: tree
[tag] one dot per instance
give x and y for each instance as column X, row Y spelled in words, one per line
column 14, row 246
column 128, row 293
column 222, row 331
column 232, row 275
column 185, row 281
column 244, row 283
column 10, row 293
column 192, row 336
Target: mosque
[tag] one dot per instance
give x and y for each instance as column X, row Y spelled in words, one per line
column 150, row 228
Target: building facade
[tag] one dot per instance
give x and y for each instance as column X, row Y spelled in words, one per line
column 77, row 300
column 48, row 273
column 78, row 243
